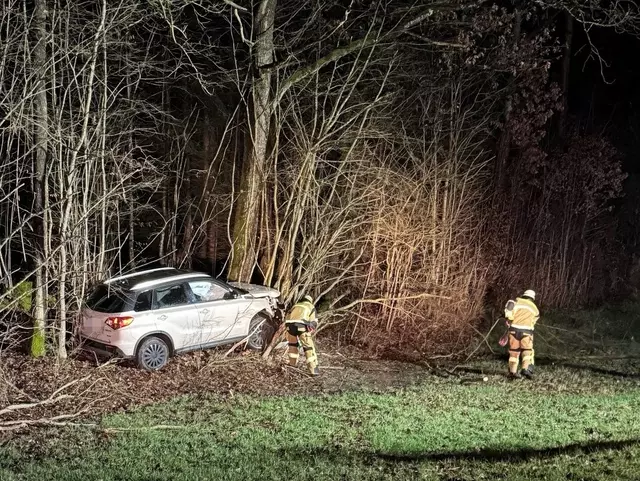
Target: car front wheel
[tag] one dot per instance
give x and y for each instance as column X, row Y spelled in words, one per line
column 259, row 324
column 153, row 354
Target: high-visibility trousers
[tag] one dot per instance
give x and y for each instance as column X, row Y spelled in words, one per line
column 520, row 347
column 296, row 333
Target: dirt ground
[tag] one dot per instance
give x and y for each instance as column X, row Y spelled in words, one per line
column 37, row 392
column 41, row 391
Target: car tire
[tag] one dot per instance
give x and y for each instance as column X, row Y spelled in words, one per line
column 153, row 354
column 257, row 340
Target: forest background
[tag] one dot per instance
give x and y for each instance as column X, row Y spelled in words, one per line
column 409, row 163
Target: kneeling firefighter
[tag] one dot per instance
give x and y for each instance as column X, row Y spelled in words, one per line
column 300, row 323
column 522, row 315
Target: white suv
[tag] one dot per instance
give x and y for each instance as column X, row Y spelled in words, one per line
column 153, row 314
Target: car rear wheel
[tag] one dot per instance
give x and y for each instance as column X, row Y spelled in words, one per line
column 153, row 354
column 256, row 341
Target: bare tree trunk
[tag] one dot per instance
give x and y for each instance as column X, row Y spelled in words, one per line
column 165, row 243
column 131, row 198
column 173, row 231
column 212, row 242
column 103, row 171
column 41, row 117
column 205, row 199
column 566, row 69
column 68, row 183
column 161, row 250
column 248, row 202
column 131, row 229
column 187, row 238
column 266, row 243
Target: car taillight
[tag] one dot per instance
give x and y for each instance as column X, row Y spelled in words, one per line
column 118, row 322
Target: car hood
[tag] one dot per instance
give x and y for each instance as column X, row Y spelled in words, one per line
column 256, row 290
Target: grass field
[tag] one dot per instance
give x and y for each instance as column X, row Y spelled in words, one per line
column 575, row 421
column 438, row 430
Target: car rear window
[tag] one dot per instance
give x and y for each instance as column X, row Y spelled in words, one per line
column 143, row 302
column 106, row 299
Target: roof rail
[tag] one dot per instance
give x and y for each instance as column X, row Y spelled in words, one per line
column 134, row 274
column 154, row 282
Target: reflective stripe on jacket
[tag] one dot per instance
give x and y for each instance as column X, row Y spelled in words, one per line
column 525, row 314
column 301, row 312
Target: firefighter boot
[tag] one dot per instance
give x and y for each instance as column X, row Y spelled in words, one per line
column 527, row 357
column 528, row 372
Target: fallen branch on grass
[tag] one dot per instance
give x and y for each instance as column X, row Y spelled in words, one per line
column 50, row 400
column 53, row 421
column 156, row 427
column 16, row 388
column 18, row 407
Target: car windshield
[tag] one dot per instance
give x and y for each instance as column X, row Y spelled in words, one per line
column 239, row 290
column 109, row 300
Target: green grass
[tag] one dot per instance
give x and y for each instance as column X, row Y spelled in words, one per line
column 444, row 430
column 577, row 421
column 608, row 330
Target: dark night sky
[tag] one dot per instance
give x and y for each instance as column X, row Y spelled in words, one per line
column 613, row 105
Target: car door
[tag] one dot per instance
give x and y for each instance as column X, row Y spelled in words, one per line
column 176, row 316
column 217, row 309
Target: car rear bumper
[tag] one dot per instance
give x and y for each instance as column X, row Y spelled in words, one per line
column 100, row 349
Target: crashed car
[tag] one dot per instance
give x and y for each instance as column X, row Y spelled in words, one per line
column 151, row 315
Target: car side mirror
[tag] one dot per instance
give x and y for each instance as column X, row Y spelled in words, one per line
column 231, row 295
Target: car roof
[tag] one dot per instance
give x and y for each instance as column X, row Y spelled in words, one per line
column 151, row 277
column 157, row 282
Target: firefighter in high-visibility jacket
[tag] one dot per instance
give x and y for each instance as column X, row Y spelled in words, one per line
column 300, row 323
column 522, row 315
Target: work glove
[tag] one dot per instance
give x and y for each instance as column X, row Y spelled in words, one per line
column 312, row 325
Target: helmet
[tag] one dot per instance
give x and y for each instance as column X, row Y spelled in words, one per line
column 530, row 293
column 308, row 299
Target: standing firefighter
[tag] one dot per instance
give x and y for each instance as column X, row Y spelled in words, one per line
column 300, row 323
column 522, row 315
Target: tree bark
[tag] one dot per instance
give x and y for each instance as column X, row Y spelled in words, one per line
column 131, row 225
column 41, row 118
column 163, row 230
column 68, row 184
column 187, row 238
column 248, row 202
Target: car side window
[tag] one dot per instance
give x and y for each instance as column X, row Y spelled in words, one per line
column 143, row 301
column 206, row 291
column 171, row 296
